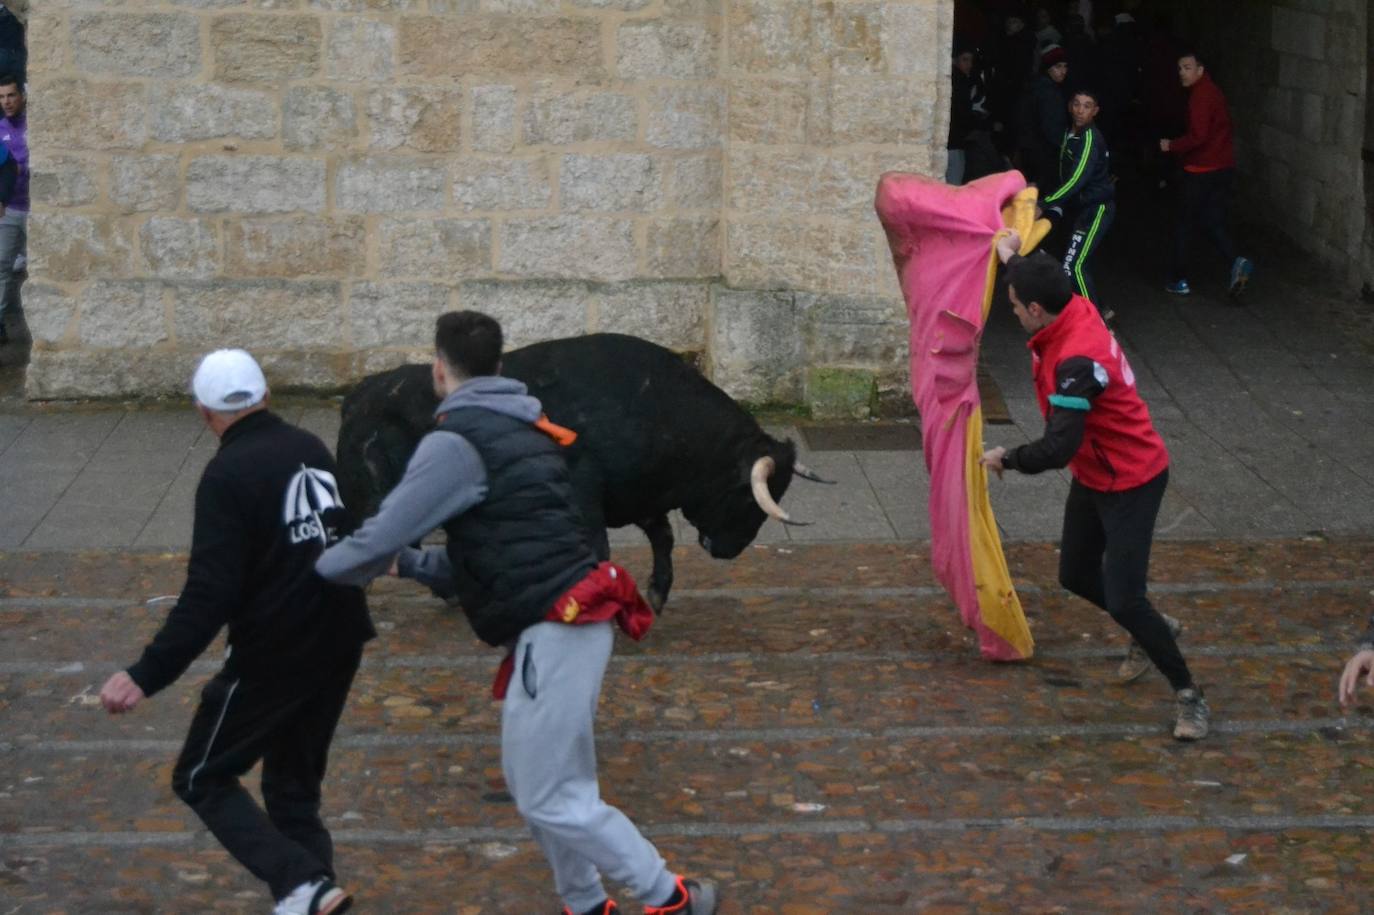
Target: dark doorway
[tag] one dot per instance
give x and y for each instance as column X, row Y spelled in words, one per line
column 15, row 338
column 1368, row 155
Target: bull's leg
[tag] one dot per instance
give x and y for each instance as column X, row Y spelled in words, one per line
column 660, row 534
column 587, row 496
column 597, row 538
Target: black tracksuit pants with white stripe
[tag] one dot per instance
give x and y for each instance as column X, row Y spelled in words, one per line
column 243, row 720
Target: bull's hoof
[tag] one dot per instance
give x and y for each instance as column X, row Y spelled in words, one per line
column 656, row 599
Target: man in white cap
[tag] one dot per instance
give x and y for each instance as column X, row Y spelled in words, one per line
column 266, row 508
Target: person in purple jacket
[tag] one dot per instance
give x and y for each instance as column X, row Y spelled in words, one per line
column 14, row 206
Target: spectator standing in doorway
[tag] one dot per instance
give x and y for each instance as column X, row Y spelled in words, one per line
column 1085, row 195
column 14, row 55
column 1082, row 50
column 1209, row 163
column 971, row 153
column 1120, row 55
column 1013, row 62
column 1046, row 35
column 14, row 222
column 1044, row 118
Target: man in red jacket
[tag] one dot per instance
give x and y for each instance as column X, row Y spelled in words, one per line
column 1209, row 164
column 1097, row 426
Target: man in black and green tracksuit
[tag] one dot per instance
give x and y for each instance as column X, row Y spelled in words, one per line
column 1085, row 193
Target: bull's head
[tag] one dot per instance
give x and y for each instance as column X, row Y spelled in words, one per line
column 730, row 516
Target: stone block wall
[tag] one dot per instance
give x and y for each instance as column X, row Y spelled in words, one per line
column 316, row 179
column 1295, row 75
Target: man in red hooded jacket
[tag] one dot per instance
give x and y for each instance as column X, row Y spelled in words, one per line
column 1097, row 426
column 1209, row 163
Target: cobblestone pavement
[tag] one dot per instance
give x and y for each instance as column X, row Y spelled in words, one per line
column 808, row 725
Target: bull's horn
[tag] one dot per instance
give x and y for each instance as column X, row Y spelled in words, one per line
column 806, row 473
column 758, row 479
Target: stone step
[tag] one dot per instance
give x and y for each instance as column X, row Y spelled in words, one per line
column 661, row 694
column 788, row 783
column 854, row 869
column 870, row 620
column 1244, row 562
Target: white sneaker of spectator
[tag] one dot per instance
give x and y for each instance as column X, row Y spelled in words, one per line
column 319, row 897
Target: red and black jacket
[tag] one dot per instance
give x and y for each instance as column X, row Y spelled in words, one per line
column 1096, row 423
column 1208, row 145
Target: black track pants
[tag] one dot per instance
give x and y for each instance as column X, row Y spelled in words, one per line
column 1105, row 559
column 242, row 720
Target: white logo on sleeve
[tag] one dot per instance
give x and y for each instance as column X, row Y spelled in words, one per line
column 1127, row 375
column 310, row 493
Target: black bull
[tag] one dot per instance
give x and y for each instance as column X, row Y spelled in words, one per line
column 653, row 436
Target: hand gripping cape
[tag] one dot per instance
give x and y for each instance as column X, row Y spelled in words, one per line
column 943, row 241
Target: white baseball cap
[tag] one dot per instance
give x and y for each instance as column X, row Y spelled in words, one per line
column 228, row 380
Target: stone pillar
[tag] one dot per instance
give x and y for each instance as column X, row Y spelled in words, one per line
column 823, row 98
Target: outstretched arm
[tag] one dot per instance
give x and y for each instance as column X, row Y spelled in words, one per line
column 445, row 477
column 1078, row 381
column 214, row 584
column 430, row 567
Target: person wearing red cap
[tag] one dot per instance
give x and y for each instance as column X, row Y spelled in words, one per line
column 1044, row 118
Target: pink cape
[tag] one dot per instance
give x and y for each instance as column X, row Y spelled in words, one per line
column 942, row 239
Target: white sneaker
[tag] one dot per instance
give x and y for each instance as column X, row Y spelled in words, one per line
column 319, row 897
column 20, row 263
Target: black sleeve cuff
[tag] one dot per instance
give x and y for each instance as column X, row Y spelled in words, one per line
column 146, row 679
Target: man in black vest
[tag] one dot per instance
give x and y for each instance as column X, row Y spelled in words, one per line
column 519, row 560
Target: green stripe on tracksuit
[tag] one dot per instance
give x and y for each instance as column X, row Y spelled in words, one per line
column 1089, row 227
column 1084, row 156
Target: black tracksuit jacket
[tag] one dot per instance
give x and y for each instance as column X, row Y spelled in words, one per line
column 1085, row 173
column 265, row 507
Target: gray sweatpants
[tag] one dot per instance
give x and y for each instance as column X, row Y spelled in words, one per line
column 548, row 755
column 14, row 240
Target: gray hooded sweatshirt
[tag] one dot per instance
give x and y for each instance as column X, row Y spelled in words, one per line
column 444, row 478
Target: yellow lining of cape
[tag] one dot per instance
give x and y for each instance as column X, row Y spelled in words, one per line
column 998, row 604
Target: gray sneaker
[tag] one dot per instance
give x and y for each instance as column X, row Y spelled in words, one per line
column 702, row 894
column 701, row 899
column 1193, row 715
column 1136, row 662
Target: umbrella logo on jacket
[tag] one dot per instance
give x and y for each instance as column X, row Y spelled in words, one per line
column 310, row 493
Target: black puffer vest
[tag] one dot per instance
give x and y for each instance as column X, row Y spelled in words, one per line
column 515, row 552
